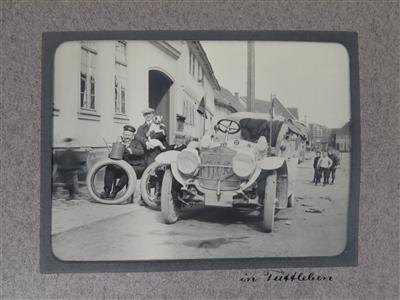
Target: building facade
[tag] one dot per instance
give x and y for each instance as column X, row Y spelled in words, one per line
column 100, row 86
column 318, row 136
column 343, row 138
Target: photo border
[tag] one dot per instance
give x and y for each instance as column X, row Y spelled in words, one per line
column 49, row 263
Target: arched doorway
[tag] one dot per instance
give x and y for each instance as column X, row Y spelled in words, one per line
column 159, row 95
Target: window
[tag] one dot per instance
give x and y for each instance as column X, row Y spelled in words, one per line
column 189, row 111
column 190, row 62
column 120, row 81
column 201, row 76
column 193, row 65
column 88, row 81
column 198, row 72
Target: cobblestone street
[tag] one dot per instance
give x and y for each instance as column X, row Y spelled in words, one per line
column 315, row 226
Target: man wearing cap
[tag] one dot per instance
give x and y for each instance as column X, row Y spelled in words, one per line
column 142, row 136
column 134, row 155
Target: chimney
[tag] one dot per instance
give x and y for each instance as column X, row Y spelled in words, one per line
column 237, row 96
column 250, row 76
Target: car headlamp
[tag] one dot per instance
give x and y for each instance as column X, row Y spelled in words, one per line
column 188, row 161
column 243, row 164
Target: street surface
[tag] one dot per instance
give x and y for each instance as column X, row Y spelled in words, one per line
column 315, row 226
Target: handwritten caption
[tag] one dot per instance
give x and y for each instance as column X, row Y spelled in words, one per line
column 282, row 276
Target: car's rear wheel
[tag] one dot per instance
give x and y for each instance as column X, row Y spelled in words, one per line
column 269, row 202
column 169, row 210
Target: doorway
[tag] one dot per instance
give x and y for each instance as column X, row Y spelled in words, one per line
column 159, row 96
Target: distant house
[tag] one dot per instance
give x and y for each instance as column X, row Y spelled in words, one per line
column 265, row 107
column 343, row 138
column 227, row 103
column 319, row 136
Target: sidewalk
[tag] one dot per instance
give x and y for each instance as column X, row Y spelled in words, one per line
column 67, row 215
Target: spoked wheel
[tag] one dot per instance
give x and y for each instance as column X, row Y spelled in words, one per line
column 150, row 185
column 169, row 208
column 269, row 202
column 127, row 168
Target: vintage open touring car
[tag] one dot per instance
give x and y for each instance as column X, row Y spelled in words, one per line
column 248, row 161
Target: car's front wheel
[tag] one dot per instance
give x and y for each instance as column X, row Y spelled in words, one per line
column 150, row 191
column 269, row 202
column 169, row 210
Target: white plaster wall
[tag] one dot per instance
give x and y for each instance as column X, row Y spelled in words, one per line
column 66, row 91
column 142, row 56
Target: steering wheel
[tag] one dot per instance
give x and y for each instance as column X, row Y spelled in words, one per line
column 228, row 126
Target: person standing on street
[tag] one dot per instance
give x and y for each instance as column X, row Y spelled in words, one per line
column 335, row 162
column 325, row 163
column 67, row 167
column 317, row 171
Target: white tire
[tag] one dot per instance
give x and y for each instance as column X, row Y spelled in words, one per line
column 269, row 202
column 169, row 211
column 103, row 163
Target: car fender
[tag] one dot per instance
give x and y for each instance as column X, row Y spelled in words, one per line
column 270, row 163
column 167, row 157
column 177, row 175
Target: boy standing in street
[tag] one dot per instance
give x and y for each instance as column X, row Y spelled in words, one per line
column 335, row 162
column 325, row 163
column 317, row 171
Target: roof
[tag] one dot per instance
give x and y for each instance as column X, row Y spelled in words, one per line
column 294, row 126
column 265, row 107
column 225, row 98
column 344, row 130
column 294, row 111
column 301, row 128
column 201, row 55
column 250, row 115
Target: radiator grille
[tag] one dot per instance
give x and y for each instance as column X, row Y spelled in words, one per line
column 216, row 164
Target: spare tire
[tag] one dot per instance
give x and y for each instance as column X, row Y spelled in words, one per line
column 132, row 179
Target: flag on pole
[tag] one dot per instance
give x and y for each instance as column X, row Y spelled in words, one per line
column 201, row 109
column 271, row 111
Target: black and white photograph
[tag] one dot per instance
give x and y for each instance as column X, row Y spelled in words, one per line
column 199, row 149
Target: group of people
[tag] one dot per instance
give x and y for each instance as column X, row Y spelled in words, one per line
column 141, row 148
column 325, row 166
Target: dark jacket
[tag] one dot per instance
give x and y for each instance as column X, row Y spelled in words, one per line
column 316, row 159
column 136, row 158
column 141, row 134
column 68, row 160
column 334, row 159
